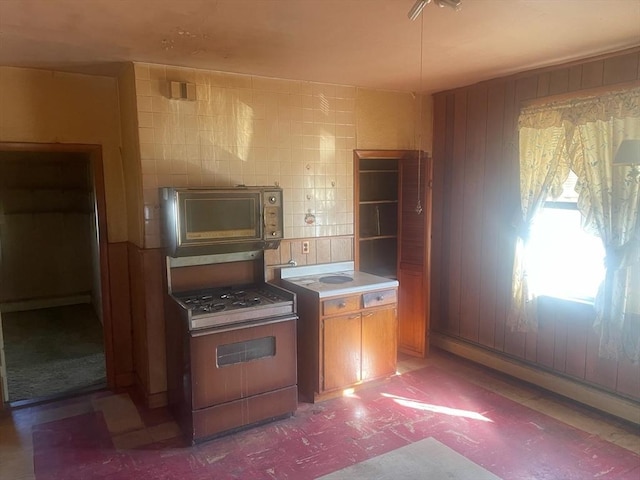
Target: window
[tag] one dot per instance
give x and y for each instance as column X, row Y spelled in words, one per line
column 563, row 260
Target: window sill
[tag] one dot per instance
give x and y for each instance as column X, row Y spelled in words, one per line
column 582, row 301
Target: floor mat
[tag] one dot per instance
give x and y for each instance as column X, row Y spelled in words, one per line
column 52, row 351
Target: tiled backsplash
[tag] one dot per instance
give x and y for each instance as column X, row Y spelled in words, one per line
column 250, row 130
column 321, row 250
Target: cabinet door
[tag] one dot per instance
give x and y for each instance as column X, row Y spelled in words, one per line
column 411, row 315
column 341, row 352
column 379, row 343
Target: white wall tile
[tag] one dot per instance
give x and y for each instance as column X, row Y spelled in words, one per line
column 253, row 130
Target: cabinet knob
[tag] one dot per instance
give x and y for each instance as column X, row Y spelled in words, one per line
column 342, row 305
column 379, row 298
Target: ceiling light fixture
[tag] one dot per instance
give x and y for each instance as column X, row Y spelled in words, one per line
column 455, row 4
column 416, row 10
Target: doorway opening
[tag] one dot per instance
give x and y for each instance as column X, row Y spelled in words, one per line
column 52, row 335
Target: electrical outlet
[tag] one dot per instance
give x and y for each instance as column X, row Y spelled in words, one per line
column 305, row 247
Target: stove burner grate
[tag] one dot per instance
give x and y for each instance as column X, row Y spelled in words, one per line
column 212, row 307
column 218, row 307
column 247, row 302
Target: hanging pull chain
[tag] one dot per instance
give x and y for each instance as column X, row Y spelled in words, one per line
column 419, row 204
column 418, row 208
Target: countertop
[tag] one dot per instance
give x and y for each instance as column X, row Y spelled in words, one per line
column 308, row 277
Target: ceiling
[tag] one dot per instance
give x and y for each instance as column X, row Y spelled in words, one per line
column 369, row 43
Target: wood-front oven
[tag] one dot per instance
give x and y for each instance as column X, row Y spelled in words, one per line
column 231, row 350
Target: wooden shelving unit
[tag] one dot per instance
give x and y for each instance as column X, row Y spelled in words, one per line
column 377, row 215
column 391, row 238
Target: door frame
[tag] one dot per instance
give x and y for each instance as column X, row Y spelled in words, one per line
column 94, row 155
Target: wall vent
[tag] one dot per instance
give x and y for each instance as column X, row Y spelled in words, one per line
column 182, row 91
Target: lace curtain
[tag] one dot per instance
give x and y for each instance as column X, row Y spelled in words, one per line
column 544, row 166
column 586, row 136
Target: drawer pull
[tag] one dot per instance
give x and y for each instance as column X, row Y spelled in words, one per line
column 342, row 305
column 379, row 298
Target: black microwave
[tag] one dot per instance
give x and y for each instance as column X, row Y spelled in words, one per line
column 212, row 220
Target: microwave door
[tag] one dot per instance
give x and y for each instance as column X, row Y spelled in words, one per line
column 221, row 219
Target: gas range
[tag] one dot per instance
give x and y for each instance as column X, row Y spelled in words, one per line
column 212, row 307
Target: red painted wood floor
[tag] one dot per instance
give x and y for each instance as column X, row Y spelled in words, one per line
column 510, row 429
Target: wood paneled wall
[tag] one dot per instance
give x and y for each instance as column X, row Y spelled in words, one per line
column 119, row 341
column 475, row 200
column 148, row 283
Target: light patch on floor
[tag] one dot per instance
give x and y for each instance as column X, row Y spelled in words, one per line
column 119, row 412
column 423, row 460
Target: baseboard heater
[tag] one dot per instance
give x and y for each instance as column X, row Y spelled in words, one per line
column 572, row 389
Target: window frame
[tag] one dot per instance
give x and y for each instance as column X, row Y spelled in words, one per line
column 571, row 206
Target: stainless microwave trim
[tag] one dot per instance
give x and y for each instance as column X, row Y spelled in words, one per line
column 214, row 258
column 269, row 221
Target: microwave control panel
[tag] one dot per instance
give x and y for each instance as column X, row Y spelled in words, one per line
column 273, row 221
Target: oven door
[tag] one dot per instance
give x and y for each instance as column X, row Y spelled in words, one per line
column 228, row 365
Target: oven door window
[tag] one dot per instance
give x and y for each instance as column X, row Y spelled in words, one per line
column 242, row 352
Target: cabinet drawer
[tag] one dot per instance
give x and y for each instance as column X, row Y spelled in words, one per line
column 383, row 297
column 341, row 305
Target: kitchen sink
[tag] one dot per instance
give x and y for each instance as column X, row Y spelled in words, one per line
column 335, row 279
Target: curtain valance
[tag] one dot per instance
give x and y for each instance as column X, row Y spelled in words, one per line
column 623, row 104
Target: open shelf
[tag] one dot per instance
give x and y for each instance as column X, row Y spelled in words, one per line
column 377, row 205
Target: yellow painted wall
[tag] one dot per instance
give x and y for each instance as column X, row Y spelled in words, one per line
column 49, row 107
column 131, row 154
column 389, row 120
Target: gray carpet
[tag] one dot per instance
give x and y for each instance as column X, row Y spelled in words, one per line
column 423, row 460
column 53, row 351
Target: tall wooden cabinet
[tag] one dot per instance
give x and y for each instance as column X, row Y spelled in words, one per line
column 392, row 238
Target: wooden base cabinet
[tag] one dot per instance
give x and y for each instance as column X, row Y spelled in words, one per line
column 344, row 341
column 379, row 352
column 341, row 338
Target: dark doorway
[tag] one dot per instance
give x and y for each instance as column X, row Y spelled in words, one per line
column 50, row 274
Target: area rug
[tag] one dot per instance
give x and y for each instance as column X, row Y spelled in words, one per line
column 52, row 351
column 423, row 460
